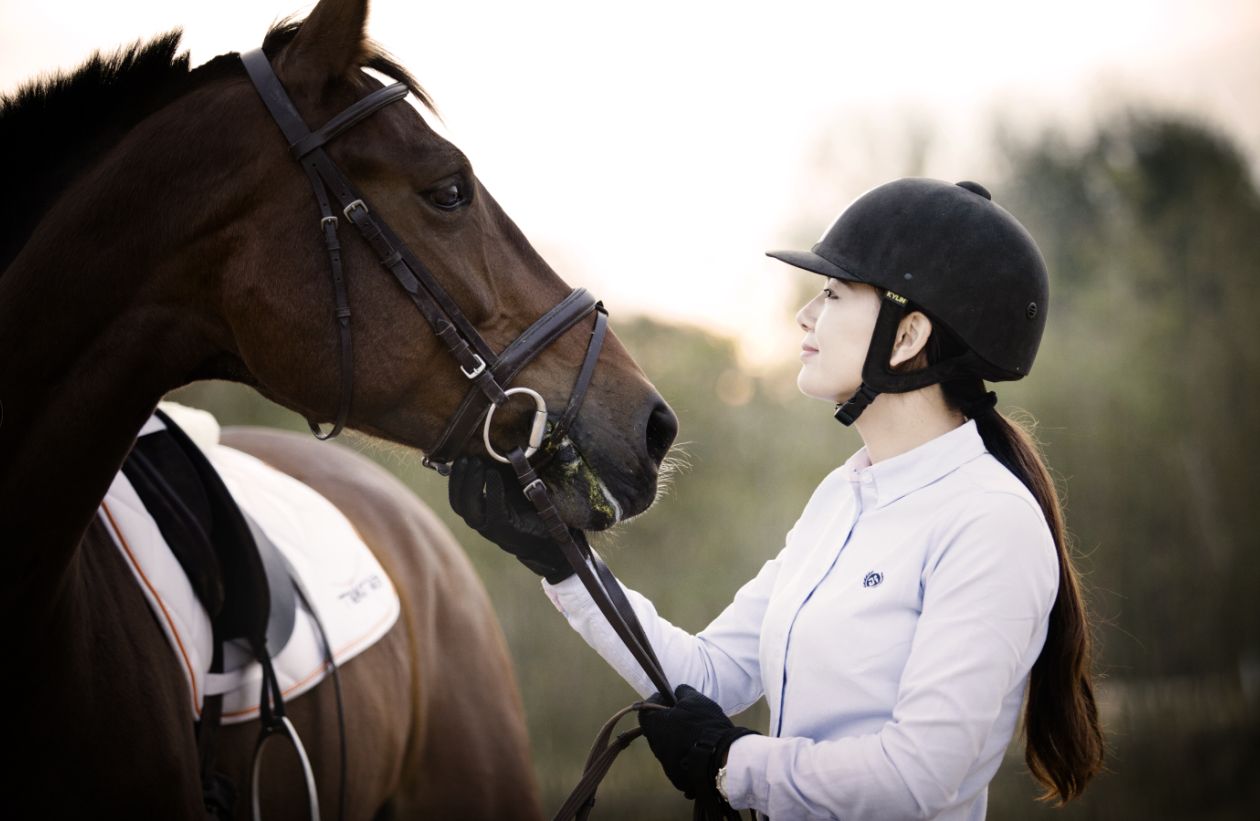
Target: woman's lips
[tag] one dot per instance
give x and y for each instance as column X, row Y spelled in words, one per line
column 807, row 352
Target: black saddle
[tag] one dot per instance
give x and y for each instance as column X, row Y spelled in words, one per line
column 236, row 572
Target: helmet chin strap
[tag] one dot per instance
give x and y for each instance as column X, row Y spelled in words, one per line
column 878, row 377
column 891, row 309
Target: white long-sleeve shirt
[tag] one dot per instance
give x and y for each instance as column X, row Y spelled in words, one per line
column 892, row 637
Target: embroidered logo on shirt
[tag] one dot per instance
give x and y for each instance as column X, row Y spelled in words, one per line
column 872, row 579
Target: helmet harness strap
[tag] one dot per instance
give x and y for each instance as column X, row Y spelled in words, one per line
column 878, row 377
column 891, row 309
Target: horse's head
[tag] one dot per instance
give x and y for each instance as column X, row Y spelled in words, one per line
column 274, row 297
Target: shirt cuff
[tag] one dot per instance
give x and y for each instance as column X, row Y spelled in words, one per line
column 746, row 765
column 569, row 596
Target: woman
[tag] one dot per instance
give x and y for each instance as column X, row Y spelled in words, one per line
column 927, row 587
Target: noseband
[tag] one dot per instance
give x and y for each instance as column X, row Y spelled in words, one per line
column 487, row 371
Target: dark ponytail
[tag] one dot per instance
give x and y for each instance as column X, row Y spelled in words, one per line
column 1064, row 739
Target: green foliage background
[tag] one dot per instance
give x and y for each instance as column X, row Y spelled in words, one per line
column 1146, row 396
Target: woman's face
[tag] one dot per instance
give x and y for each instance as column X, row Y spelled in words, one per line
column 838, row 324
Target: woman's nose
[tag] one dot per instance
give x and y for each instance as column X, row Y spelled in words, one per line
column 804, row 319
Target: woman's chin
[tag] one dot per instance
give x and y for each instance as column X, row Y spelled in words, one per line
column 823, row 393
column 808, row 386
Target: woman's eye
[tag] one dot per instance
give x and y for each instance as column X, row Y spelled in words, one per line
column 449, row 196
column 828, row 293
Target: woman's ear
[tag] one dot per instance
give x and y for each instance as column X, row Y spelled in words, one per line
column 912, row 336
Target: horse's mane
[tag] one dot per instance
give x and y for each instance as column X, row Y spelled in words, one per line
column 54, row 127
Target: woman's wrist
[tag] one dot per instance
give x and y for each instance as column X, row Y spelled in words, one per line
column 722, row 755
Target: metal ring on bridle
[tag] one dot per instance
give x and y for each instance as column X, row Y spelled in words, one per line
column 536, row 432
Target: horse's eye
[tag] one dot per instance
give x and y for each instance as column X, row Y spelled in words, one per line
column 449, row 195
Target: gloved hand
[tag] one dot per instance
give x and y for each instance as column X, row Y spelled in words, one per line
column 690, row 739
column 491, row 501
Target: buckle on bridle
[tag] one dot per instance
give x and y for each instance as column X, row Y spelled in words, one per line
column 328, row 220
column 352, row 206
column 477, row 370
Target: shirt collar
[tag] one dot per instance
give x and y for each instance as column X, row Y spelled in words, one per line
column 917, row 468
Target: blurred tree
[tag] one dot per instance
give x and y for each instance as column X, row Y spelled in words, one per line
column 1149, row 381
column 1147, row 389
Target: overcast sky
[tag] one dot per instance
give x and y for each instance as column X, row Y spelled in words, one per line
column 653, row 150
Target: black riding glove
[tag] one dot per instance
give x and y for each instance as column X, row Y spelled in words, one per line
column 491, row 501
column 690, row 739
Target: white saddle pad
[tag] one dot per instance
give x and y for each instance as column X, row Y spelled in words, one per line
column 355, row 600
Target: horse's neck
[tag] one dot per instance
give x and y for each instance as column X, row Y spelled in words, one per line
column 84, row 362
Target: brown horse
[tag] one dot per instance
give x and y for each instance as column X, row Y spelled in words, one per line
column 157, row 232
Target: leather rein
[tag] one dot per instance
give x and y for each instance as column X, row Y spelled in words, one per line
column 486, row 371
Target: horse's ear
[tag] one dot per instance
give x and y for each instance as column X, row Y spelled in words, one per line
column 328, row 44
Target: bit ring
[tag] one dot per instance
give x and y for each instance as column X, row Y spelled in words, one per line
column 536, row 431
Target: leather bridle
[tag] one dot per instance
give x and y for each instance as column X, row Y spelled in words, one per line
column 477, row 361
column 487, row 372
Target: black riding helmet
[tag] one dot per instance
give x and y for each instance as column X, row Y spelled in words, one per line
column 950, row 252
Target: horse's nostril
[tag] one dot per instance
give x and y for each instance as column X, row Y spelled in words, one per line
column 662, row 427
